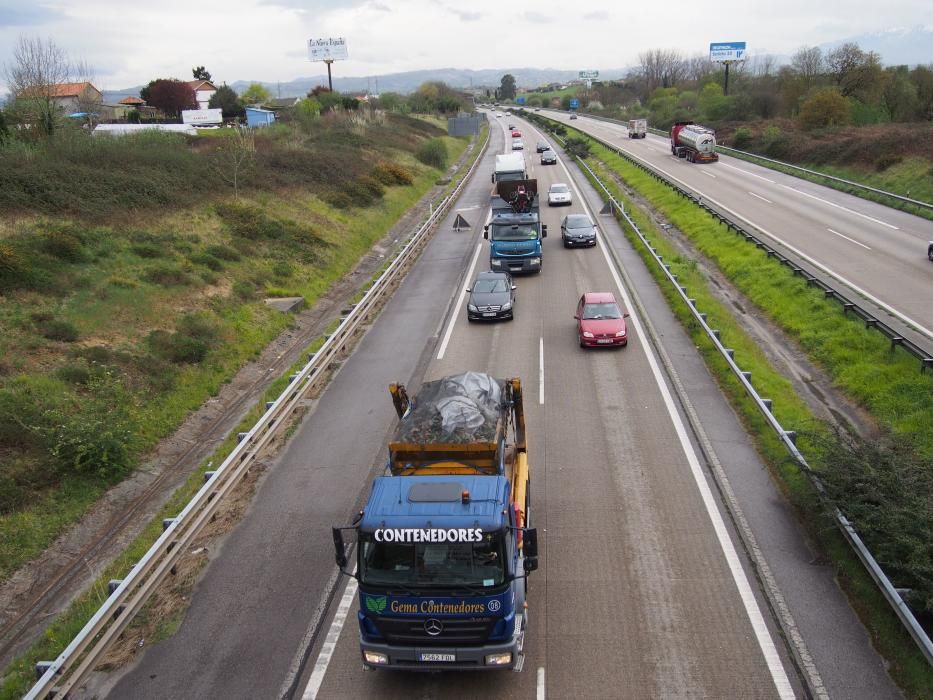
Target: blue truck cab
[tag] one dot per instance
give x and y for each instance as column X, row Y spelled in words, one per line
column 442, row 546
column 515, row 232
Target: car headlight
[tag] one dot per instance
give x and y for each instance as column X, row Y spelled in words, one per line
column 587, row 334
column 620, row 334
column 472, row 307
column 506, row 306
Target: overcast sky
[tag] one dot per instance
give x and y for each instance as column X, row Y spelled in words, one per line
column 129, row 42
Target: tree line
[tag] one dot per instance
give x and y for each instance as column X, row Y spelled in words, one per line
column 846, row 85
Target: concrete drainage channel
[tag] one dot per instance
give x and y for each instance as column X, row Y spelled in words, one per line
column 787, row 437
column 127, row 596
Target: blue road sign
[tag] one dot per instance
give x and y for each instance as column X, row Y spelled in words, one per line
column 727, row 51
column 520, row 100
column 574, row 103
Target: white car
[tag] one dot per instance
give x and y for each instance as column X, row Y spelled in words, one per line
column 498, row 114
column 517, row 145
column 558, row 194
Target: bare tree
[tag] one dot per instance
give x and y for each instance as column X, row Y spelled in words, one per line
column 809, row 64
column 32, row 75
column 235, row 158
column 662, row 68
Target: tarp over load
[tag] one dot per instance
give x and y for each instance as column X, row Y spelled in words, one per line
column 458, row 420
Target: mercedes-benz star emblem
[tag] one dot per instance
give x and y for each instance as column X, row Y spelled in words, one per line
column 433, row 627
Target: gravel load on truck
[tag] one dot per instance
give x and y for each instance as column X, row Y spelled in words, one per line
column 460, row 409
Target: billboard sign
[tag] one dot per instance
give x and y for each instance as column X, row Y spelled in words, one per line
column 520, row 100
column 332, row 49
column 574, row 103
column 589, row 74
column 202, row 116
column 727, row 51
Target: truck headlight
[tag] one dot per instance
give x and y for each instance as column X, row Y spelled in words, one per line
column 376, row 658
column 502, row 659
column 495, row 263
column 535, row 261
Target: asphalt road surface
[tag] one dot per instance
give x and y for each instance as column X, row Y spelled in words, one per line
column 642, row 591
column 876, row 251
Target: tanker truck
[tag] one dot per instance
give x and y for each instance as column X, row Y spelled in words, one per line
column 694, row 142
column 443, row 546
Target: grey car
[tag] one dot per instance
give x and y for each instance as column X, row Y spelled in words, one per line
column 492, row 297
column 577, row 230
column 543, row 146
column 548, row 157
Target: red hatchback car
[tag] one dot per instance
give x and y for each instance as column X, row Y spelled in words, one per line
column 516, row 133
column 600, row 321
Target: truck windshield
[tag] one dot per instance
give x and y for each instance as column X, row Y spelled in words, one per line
column 509, row 177
column 433, row 564
column 520, row 232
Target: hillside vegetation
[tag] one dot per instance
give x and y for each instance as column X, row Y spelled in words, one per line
column 132, row 274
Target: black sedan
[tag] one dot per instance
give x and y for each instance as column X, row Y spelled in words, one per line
column 548, row 157
column 577, row 230
column 543, row 146
column 492, row 297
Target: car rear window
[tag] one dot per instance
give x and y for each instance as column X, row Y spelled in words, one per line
column 559, row 188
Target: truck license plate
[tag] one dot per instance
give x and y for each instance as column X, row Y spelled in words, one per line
column 438, row 657
column 605, row 341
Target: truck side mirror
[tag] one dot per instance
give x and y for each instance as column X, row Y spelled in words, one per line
column 530, row 544
column 339, row 551
column 492, row 178
column 530, row 564
column 486, row 231
column 543, row 230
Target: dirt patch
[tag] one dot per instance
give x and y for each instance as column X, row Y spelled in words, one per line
column 810, row 382
column 39, row 591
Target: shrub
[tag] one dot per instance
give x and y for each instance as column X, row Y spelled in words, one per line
column 223, row 252
column 742, row 137
column 207, row 260
column 167, row 275
column 886, row 161
column 94, row 437
column 391, row 174
column 147, row 250
column 433, row 153
column 339, row 200
column 58, row 329
column 244, row 290
column 63, row 244
column 577, row 147
column 177, row 347
column 825, row 108
column 282, row 268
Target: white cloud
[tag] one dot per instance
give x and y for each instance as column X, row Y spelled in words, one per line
column 132, row 43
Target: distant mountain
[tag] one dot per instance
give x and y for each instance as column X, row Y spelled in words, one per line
column 898, row 46
column 403, row 82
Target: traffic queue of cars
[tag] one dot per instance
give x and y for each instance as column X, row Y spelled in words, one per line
column 600, row 321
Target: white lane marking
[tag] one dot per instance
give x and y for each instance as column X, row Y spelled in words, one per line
column 454, row 312
column 708, row 174
column 839, row 206
column 471, row 208
column 330, row 643
column 851, row 240
column 761, row 198
column 539, row 695
column 765, row 642
column 829, row 271
column 746, row 172
column 760, row 628
column 541, row 370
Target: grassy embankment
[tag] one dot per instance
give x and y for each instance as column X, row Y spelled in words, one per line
column 19, row 677
column 888, row 384
column 122, row 318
